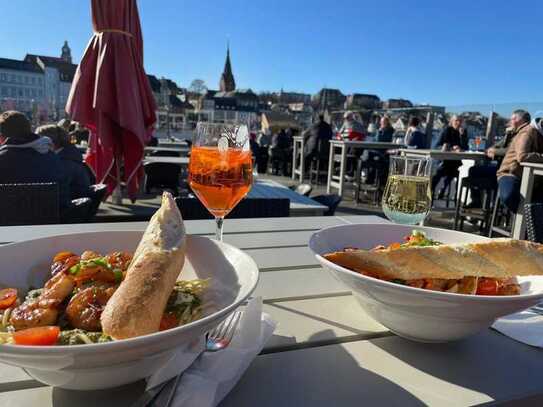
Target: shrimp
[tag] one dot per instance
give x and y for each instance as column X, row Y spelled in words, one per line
column 85, row 308
column 43, row 310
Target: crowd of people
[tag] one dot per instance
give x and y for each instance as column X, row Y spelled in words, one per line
column 46, row 155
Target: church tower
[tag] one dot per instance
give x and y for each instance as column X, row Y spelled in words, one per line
column 66, row 55
column 227, row 83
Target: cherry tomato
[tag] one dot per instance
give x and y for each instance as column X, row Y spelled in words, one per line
column 8, row 296
column 168, row 321
column 487, row 286
column 62, row 256
column 40, row 336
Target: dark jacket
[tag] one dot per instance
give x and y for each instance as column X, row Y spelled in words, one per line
column 21, row 164
column 527, row 145
column 78, row 175
column 452, row 137
column 280, row 141
column 385, row 135
column 416, row 139
column 320, row 131
column 502, row 145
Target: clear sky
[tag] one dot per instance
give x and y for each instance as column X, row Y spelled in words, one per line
column 448, row 53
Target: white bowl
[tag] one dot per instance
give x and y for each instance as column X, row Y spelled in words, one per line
column 413, row 313
column 233, row 274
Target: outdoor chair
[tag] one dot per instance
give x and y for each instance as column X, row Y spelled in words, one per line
column 533, row 214
column 162, row 176
column 370, row 186
column 332, row 201
column 78, row 212
column 483, row 215
column 503, row 217
column 318, row 166
column 97, row 195
column 192, row 208
column 29, row 204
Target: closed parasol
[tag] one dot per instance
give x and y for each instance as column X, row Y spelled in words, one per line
column 111, row 95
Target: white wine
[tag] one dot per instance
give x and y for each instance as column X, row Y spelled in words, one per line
column 407, row 199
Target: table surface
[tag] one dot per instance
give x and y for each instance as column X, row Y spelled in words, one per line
column 376, row 145
column 168, row 160
column 326, row 351
column 299, row 205
column 445, row 155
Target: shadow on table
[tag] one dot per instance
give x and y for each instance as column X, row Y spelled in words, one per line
column 487, row 363
column 117, row 396
column 319, row 376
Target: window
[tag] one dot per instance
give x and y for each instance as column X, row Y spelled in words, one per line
column 13, row 91
column 40, row 92
column 27, row 92
column 27, row 80
column 4, row 91
column 3, row 77
column 40, row 81
column 20, row 93
column 33, row 81
column 33, row 93
column 12, row 78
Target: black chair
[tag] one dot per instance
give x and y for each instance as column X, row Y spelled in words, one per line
column 160, row 153
column 97, row 195
column 370, row 179
column 331, row 201
column 79, row 211
column 318, row 165
column 533, row 216
column 483, row 215
column 29, row 204
column 162, row 176
column 192, row 208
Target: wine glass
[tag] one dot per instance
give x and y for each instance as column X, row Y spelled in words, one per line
column 477, row 143
column 220, row 168
column 407, row 198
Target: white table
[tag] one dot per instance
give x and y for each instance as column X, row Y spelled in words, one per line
column 182, row 161
column 298, row 153
column 529, row 171
column 326, row 351
column 444, row 155
column 338, row 181
column 170, row 143
column 299, row 205
column 178, row 149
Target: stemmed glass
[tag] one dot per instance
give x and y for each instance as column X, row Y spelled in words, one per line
column 220, row 168
column 408, row 198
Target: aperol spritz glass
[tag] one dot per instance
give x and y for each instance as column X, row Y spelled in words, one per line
column 220, row 168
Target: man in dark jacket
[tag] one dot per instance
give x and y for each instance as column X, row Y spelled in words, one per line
column 72, row 160
column 27, row 158
column 319, row 132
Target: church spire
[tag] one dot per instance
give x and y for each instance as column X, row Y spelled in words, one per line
column 66, row 55
column 227, row 83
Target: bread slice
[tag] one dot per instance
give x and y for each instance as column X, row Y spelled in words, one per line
column 137, row 306
column 498, row 258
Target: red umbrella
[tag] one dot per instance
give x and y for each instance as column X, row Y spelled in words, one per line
column 111, row 95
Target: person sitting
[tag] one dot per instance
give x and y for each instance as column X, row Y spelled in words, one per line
column 385, row 133
column 526, row 146
column 485, row 174
column 264, row 141
column 27, row 158
column 280, row 147
column 453, row 138
column 71, row 158
column 319, row 133
column 414, row 137
column 351, row 129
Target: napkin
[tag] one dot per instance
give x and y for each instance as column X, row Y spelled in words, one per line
column 525, row 327
column 213, row 374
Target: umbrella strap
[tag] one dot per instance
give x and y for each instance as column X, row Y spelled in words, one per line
column 113, row 30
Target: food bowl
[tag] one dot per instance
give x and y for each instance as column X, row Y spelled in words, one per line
column 25, row 265
column 414, row 313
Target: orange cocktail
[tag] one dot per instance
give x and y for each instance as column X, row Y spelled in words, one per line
column 220, row 179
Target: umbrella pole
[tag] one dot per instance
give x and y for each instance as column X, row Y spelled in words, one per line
column 117, row 195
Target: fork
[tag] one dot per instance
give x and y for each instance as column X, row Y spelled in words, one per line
column 217, row 339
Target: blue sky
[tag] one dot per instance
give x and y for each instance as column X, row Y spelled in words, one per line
column 448, row 53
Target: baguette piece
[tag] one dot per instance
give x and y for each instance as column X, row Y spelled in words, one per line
column 137, row 306
column 498, row 258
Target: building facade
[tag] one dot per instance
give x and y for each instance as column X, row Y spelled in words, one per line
column 22, row 86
